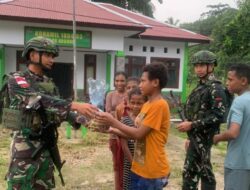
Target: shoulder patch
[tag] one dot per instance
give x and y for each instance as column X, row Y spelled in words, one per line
column 21, row 81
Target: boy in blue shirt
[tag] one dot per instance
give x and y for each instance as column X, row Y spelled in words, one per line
column 237, row 161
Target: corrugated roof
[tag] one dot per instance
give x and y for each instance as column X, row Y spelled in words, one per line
column 160, row 30
column 95, row 15
column 60, row 11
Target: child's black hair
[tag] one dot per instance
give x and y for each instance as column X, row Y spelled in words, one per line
column 241, row 70
column 136, row 91
column 136, row 79
column 157, row 71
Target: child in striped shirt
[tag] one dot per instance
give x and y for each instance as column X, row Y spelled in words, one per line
column 135, row 103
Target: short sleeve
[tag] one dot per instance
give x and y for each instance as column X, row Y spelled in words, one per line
column 236, row 112
column 153, row 117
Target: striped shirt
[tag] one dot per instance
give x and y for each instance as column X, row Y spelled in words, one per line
column 126, row 164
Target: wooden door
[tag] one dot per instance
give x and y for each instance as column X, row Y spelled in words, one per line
column 89, row 70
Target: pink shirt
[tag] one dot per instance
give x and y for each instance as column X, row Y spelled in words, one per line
column 113, row 99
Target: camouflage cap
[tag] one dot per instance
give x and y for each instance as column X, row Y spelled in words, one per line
column 204, row 57
column 40, row 44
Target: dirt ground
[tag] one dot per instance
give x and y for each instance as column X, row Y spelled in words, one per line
column 89, row 165
column 102, row 178
column 176, row 154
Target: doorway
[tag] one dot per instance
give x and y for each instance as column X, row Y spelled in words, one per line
column 62, row 74
column 89, row 71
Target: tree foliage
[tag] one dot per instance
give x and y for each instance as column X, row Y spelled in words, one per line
column 237, row 32
column 229, row 30
column 232, row 42
column 215, row 10
column 142, row 6
column 171, row 21
column 207, row 21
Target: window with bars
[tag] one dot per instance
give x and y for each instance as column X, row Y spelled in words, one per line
column 134, row 65
column 173, row 66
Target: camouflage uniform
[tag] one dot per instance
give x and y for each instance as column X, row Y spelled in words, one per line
column 205, row 107
column 27, row 172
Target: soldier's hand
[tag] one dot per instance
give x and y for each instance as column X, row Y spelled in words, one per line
column 184, row 126
column 86, row 109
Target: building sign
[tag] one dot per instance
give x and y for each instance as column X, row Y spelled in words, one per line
column 60, row 36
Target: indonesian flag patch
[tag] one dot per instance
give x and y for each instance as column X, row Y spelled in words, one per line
column 22, row 82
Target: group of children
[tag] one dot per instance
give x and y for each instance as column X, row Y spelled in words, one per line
column 139, row 118
column 124, row 104
column 140, row 123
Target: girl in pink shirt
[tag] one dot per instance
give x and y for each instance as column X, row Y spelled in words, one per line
column 113, row 99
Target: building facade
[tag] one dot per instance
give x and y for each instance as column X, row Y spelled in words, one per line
column 108, row 39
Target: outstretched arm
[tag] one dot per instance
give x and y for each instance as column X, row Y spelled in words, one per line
column 131, row 132
column 84, row 109
column 21, row 93
column 117, row 132
column 232, row 133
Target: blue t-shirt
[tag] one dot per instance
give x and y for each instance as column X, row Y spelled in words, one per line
column 238, row 153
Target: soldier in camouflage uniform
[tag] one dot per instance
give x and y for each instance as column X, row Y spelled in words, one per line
column 27, row 170
column 204, row 111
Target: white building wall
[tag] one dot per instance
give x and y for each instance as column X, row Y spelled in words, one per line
column 12, row 33
column 10, row 58
column 158, row 52
column 103, row 40
column 112, row 40
column 65, row 57
column 159, row 48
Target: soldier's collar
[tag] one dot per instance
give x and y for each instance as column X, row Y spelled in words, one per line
column 40, row 77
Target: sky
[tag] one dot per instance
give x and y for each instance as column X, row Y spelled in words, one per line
column 185, row 10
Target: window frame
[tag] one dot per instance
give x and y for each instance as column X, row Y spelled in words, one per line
column 129, row 66
column 165, row 61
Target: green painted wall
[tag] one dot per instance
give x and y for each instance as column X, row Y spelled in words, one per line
column 185, row 74
column 2, row 63
column 108, row 66
column 120, row 54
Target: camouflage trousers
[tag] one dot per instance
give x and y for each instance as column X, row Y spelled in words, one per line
column 198, row 166
column 27, row 173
